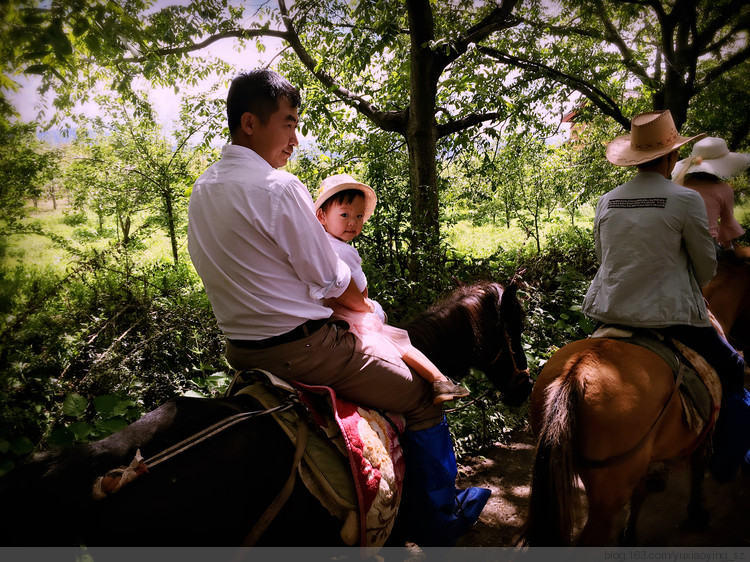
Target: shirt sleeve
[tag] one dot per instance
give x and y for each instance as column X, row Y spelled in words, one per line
column 298, row 232
column 698, row 242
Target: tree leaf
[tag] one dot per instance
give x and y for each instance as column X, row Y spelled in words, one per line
column 74, row 405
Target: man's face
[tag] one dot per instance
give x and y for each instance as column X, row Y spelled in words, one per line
column 276, row 139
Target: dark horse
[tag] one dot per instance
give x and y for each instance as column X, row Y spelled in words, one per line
column 605, row 410
column 728, row 296
column 213, row 493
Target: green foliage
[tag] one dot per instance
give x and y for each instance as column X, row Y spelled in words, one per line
column 85, row 353
column 482, row 420
column 26, row 165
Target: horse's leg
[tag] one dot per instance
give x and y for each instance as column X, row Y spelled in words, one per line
column 698, row 515
column 605, row 516
column 627, row 537
column 609, row 491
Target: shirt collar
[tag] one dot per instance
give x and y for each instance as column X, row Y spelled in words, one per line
column 243, row 152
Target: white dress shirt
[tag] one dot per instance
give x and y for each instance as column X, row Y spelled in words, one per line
column 264, row 258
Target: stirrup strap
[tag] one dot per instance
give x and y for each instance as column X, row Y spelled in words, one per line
column 272, row 511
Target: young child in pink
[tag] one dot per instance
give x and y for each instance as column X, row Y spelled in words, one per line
column 342, row 207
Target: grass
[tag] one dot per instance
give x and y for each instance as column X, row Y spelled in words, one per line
column 484, row 240
column 477, row 240
column 39, row 252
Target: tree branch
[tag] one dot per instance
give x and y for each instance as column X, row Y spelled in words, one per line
column 445, row 129
column 598, row 97
column 394, row 121
column 497, row 19
column 233, row 34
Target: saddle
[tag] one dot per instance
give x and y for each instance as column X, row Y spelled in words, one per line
column 699, row 387
column 352, row 460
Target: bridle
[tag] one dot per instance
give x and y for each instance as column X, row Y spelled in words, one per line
column 517, row 372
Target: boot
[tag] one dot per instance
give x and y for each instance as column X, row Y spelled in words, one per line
column 436, row 513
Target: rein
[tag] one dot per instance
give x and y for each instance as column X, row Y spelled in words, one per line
column 509, row 346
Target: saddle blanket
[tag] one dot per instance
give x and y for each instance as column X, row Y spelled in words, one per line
column 700, row 387
column 354, row 466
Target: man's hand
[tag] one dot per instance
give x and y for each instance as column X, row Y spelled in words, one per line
column 353, row 299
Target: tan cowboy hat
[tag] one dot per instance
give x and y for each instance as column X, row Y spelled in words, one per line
column 652, row 135
column 341, row 182
column 712, row 156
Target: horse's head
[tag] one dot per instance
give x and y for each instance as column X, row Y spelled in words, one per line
column 478, row 325
column 503, row 359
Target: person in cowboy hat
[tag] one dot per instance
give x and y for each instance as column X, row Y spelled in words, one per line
column 706, row 170
column 655, row 253
column 268, row 269
column 342, row 207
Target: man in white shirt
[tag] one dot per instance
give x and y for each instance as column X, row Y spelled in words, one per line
column 267, row 265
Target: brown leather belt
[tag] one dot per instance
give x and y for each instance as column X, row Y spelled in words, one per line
column 301, row 331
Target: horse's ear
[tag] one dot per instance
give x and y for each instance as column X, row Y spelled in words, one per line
column 509, row 303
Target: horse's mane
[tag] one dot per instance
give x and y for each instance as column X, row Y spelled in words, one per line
column 452, row 329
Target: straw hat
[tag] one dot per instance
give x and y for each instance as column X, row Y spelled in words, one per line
column 652, row 135
column 712, row 156
column 341, row 182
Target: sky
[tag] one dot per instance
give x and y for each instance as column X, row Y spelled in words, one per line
column 166, row 103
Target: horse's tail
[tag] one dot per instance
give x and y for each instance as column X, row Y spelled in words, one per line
column 554, row 504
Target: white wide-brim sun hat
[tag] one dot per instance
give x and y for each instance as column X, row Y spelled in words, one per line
column 711, row 155
column 652, row 135
column 341, row 182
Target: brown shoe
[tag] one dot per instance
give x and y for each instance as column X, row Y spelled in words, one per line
column 447, row 390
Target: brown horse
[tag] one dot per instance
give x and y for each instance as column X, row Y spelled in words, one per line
column 606, row 410
column 728, row 295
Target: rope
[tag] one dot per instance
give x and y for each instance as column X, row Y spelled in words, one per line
column 471, row 402
column 210, row 431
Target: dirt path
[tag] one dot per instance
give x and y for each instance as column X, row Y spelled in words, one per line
column 506, row 470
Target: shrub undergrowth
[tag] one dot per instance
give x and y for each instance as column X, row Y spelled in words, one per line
column 87, row 349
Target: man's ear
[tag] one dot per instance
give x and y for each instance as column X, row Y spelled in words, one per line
column 247, row 123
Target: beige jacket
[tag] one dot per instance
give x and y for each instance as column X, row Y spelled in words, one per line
column 655, row 253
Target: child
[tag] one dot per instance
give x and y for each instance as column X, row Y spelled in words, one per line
column 342, row 207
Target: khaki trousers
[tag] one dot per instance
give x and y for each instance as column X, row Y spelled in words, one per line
column 335, row 357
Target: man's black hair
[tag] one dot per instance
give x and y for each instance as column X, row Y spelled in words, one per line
column 258, row 92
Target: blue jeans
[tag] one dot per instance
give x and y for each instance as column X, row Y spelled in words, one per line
column 716, row 350
column 731, row 438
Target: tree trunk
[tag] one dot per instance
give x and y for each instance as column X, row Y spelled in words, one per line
column 421, row 139
column 170, row 223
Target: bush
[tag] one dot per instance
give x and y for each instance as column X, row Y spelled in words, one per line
column 74, row 218
column 82, row 355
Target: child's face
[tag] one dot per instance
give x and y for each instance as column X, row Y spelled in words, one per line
column 344, row 220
